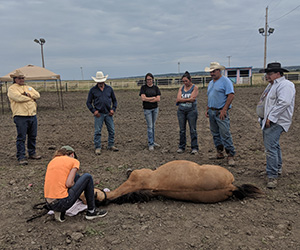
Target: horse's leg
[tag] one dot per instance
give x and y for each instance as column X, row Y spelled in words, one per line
column 136, row 181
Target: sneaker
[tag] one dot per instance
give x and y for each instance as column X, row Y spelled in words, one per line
column 59, row 216
column 230, row 161
column 279, row 172
column 180, row 151
column 194, row 151
column 151, row 148
column 272, row 183
column 35, row 157
column 113, row 148
column 96, row 214
column 98, row 151
column 156, row 145
column 220, row 155
column 23, row 162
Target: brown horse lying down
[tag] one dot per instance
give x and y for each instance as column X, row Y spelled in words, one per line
column 181, row 180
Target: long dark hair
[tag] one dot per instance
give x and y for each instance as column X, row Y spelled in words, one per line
column 187, row 75
column 148, row 74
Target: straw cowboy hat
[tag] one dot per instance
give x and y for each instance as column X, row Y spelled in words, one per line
column 213, row 66
column 273, row 67
column 17, row 73
column 100, row 77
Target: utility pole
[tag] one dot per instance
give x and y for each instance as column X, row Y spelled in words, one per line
column 178, row 68
column 228, row 60
column 266, row 28
column 81, row 72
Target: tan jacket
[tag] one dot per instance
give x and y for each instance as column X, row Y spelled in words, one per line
column 21, row 104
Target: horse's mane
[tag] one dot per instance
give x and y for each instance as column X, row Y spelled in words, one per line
column 134, row 197
column 247, row 190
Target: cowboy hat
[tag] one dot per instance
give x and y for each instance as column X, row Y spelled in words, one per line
column 273, row 67
column 213, row 66
column 17, row 73
column 100, row 77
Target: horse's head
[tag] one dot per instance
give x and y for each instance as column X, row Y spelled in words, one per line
column 100, row 197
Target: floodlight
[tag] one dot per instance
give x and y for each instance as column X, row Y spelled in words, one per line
column 261, row 30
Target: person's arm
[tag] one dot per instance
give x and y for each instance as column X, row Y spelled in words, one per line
column 32, row 93
column 17, row 96
column 89, row 102
column 226, row 106
column 71, row 177
column 150, row 99
column 179, row 99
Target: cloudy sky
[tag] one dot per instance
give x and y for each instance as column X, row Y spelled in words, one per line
column 126, row 38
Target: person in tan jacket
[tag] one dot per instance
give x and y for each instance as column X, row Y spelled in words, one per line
column 23, row 106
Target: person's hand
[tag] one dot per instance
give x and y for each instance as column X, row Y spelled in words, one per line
column 223, row 114
column 97, row 114
column 268, row 123
column 111, row 112
column 206, row 114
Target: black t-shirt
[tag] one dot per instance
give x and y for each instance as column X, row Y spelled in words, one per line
column 149, row 92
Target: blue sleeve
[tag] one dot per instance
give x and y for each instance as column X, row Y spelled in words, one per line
column 228, row 87
column 114, row 100
column 89, row 102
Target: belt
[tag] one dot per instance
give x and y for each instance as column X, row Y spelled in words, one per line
column 214, row 109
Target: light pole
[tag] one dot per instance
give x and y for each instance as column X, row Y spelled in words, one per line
column 178, row 68
column 228, row 60
column 266, row 32
column 81, row 72
column 41, row 42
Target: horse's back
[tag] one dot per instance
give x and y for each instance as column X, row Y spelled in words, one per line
column 188, row 180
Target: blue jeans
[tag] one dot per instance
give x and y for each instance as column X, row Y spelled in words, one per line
column 26, row 125
column 189, row 115
column 151, row 116
column 109, row 122
column 220, row 130
column 82, row 183
column 271, row 138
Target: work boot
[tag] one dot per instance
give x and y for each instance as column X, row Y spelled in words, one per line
column 23, row 162
column 230, row 160
column 113, row 148
column 272, row 183
column 35, row 157
column 98, row 151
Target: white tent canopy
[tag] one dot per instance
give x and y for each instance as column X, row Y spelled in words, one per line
column 35, row 73
column 31, row 73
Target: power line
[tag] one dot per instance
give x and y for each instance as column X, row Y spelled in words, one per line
column 285, row 14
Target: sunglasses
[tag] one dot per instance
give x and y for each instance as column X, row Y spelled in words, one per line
column 21, row 78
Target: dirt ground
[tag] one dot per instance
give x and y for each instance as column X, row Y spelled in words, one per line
column 269, row 222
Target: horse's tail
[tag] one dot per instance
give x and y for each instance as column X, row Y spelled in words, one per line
column 134, row 197
column 247, row 190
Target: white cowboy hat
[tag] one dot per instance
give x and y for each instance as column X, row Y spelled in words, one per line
column 213, row 66
column 100, row 77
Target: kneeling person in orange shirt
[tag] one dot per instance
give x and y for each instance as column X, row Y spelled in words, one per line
column 63, row 185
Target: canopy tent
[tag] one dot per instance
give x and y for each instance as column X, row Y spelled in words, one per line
column 35, row 73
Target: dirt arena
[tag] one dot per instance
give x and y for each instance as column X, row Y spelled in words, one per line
column 270, row 222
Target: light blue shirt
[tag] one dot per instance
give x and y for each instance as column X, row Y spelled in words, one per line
column 217, row 92
column 280, row 102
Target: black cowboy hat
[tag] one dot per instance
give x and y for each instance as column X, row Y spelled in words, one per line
column 273, row 67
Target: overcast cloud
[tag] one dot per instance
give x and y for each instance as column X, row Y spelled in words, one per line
column 129, row 38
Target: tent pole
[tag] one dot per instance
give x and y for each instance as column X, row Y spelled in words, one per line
column 2, row 100
column 61, row 95
column 57, row 90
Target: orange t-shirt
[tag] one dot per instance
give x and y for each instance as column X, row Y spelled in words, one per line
column 57, row 173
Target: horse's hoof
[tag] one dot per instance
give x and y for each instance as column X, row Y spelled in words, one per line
column 128, row 172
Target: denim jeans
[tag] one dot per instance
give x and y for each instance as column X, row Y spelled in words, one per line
column 220, row 130
column 82, row 183
column 109, row 122
column 189, row 115
column 271, row 138
column 26, row 125
column 151, row 116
